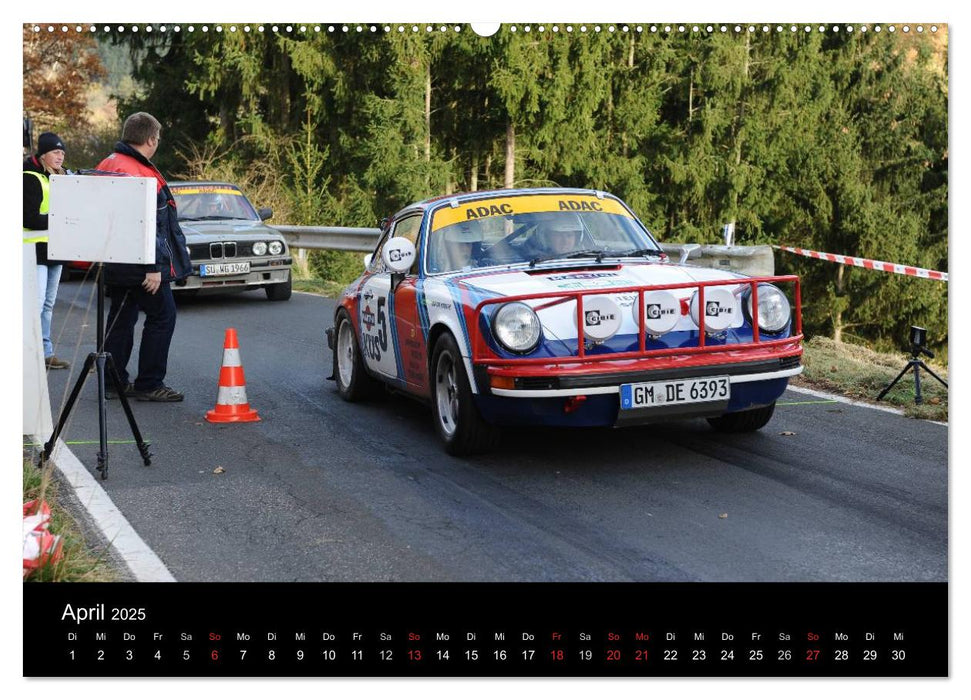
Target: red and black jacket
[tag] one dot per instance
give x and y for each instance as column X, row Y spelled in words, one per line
column 171, row 253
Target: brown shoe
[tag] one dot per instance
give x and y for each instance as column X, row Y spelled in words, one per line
column 111, row 394
column 53, row 363
column 164, row 394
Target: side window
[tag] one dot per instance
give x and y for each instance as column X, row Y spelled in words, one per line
column 408, row 228
column 377, row 263
column 403, row 228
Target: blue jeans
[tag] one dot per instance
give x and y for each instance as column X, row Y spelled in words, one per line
column 153, row 353
column 48, row 278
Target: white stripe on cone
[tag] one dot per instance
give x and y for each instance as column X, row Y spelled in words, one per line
column 231, row 395
column 231, row 358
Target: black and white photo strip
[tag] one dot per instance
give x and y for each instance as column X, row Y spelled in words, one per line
column 561, row 348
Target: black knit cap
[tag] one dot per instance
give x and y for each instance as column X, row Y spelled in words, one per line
column 47, row 142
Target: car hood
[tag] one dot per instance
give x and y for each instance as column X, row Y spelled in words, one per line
column 605, row 277
column 229, row 229
column 559, row 320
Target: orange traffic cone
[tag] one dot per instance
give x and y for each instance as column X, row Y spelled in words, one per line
column 231, row 403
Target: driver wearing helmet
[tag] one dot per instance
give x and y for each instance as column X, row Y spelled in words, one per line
column 461, row 241
column 215, row 206
column 560, row 235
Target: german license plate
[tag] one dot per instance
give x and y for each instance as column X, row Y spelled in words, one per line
column 674, row 391
column 236, row 268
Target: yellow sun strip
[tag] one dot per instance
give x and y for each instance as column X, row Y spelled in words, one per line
column 205, row 190
column 525, row 204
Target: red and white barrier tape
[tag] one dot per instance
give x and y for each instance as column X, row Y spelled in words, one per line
column 868, row 264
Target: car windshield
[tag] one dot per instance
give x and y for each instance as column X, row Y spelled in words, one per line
column 533, row 229
column 210, row 202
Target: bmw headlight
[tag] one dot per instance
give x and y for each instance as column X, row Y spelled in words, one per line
column 773, row 308
column 275, row 247
column 259, row 248
column 516, row 327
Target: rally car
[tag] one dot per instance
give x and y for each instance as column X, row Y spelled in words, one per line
column 558, row 307
column 230, row 247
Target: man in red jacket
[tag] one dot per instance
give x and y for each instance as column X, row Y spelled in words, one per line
column 133, row 288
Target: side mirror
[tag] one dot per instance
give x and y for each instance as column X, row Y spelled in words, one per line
column 367, row 260
column 265, row 214
column 399, row 255
column 686, row 250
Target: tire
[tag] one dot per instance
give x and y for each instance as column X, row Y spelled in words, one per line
column 353, row 381
column 457, row 420
column 743, row 421
column 280, row 291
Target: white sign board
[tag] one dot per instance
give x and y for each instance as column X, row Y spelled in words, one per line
column 102, row 218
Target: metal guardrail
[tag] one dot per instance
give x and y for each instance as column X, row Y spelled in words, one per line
column 361, row 240
column 749, row 260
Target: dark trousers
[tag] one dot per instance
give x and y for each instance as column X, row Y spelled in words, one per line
column 153, row 352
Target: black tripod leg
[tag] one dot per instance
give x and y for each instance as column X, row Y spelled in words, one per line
column 891, row 384
column 66, row 411
column 102, row 418
column 918, row 399
column 136, row 433
column 931, row 372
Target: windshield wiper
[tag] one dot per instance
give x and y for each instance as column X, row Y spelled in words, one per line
column 588, row 253
column 653, row 252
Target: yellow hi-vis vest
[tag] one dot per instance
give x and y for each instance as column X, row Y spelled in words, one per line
column 45, row 187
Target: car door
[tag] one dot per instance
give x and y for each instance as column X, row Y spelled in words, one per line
column 411, row 345
column 377, row 323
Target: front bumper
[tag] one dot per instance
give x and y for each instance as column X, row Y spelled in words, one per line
column 261, row 273
column 559, row 381
column 598, row 404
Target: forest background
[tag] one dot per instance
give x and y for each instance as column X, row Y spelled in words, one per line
column 831, row 140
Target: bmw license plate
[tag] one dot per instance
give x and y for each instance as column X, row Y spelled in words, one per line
column 236, row 268
column 674, row 391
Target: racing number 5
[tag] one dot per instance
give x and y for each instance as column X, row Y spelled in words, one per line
column 382, row 324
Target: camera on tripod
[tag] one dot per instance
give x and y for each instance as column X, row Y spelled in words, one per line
column 918, row 347
column 918, row 342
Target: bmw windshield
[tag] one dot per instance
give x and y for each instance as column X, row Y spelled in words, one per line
column 212, row 203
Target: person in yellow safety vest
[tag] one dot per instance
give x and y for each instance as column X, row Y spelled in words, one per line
column 49, row 160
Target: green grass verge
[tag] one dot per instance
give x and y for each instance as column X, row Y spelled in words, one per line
column 79, row 562
column 316, row 286
column 859, row 373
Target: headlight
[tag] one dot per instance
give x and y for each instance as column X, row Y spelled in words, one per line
column 773, row 308
column 259, row 248
column 516, row 326
column 275, row 247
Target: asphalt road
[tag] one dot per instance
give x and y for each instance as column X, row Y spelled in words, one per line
column 322, row 490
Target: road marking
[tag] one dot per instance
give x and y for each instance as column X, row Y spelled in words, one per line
column 138, row 556
column 804, row 403
column 89, row 442
column 843, row 399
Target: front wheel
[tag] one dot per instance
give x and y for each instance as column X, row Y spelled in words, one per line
column 457, row 419
column 280, row 291
column 353, row 381
column 743, row 421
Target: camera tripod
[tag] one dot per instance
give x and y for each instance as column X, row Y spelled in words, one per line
column 917, row 364
column 102, row 362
